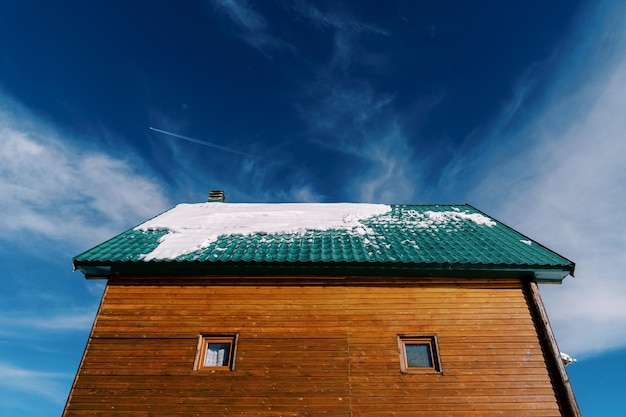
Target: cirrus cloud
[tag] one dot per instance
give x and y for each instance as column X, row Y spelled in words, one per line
column 64, row 190
column 566, row 186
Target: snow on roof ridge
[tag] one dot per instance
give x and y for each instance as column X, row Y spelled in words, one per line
column 434, row 219
column 194, row 226
column 444, row 216
column 191, row 227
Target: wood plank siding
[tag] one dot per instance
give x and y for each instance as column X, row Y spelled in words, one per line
column 308, row 350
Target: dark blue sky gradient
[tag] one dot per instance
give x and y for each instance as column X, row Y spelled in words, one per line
column 127, row 66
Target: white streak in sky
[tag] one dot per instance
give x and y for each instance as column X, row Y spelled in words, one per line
column 201, row 142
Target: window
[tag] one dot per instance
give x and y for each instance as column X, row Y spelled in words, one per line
column 216, row 352
column 418, row 354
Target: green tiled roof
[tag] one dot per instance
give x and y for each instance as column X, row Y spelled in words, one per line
column 406, row 240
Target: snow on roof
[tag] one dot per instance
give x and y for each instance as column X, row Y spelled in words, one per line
column 194, row 226
column 433, row 219
column 415, row 236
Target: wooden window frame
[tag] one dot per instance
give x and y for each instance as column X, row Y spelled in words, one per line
column 206, row 339
column 427, row 340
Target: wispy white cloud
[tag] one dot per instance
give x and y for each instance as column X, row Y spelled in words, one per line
column 334, row 19
column 381, row 147
column 566, row 187
column 242, row 14
column 578, row 203
column 489, row 145
column 254, row 172
column 252, row 26
column 305, row 194
column 50, row 385
column 60, row 189
column 347, row 32
column 346, row 115
column 360, row 123
column 256, row 180
column 66, row 321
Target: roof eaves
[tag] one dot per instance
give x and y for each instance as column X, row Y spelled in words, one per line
column 541, row 273
column 572, row 264
column 75, row 263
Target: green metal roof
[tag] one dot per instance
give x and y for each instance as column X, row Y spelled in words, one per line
column 403, row 240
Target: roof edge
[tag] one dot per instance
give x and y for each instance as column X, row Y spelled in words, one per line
column 572, row 263
column 543, row 274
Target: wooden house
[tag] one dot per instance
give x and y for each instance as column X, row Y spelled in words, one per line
column 219, row 309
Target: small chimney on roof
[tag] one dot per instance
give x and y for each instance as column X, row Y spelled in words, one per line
column 217, row 196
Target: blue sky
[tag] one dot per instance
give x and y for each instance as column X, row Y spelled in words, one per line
column 514, row 107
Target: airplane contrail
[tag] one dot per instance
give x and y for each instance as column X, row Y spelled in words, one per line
column 201, row 142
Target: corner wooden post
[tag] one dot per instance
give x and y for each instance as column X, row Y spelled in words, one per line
column 558, row 374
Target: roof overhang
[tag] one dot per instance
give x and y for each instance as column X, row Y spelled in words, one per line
column 543, row 274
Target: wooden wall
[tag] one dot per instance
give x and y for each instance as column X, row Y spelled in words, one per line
column 313, row 350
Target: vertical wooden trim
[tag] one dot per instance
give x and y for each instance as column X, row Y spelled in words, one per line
column 197, row 361
column 233, row 352
column 558, row 374
column 82, row 359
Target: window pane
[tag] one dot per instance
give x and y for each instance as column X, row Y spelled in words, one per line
column 217, row 354
column 418, row 356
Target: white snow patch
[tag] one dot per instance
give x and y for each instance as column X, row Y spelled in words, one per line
column 408, row 242
column 435, row 219
column 446, row 216
column 194, row 226
column 360, row 231
column 526, row 242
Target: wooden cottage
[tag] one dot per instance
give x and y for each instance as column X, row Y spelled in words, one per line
column 219, row 309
